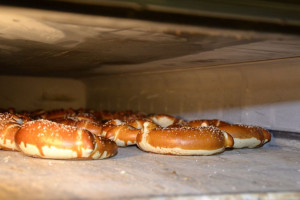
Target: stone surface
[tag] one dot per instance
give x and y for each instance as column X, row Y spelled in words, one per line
column 271, row 170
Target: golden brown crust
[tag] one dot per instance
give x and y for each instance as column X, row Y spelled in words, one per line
column 113, row 122
column 86, row 116
column 105, row 115
column 110, row 148
column 164, row 120
column 24, row 117
column 37, row 114
column 123, row 135
column 184, row 140
column 120, row 132
column 247, row 136
column 93, row 127
column 8, row 131
column 8, row 117
column 136, row 123
column 56, row 114
column 9, row 126
column 129, row 115
column 187, row 138
column 242, row 131
column 46, row 139
column 266, row 133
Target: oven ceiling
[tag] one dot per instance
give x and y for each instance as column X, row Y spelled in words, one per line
column 38, row 42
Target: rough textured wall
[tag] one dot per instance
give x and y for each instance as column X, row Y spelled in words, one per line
column 265, row 93
column 30, row 93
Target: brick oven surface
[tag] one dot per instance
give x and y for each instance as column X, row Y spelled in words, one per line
column 272, row 171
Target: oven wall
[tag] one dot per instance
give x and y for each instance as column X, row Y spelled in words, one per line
column 265, row 93
column 31, row 93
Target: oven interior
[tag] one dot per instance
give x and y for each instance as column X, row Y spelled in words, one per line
column 192, row 60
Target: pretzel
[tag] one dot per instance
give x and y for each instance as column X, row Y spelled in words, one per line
column 23, row 118
column 46, row 139
column 247, row 136
column 19, row 118
column 109, row 125
column 8, row 117
column 120, row 132
column 130, row 115
column 105, row 115
column 183, row 141
column 7, row 135
column 86, row 116
column 207, row 122
column 37, row 113
column 93, row 127
column 9, row 126
column 165, row 120
column 55, row 114
column 136, row 123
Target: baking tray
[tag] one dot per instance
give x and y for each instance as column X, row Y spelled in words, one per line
column 270, row 172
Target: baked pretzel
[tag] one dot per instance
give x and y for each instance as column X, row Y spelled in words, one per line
column 247, row 136
column 183, row 141
column 46, row 139
column 120, row 132
column 55, row 114
column 37, row 114
column 111, row 123
column 105, row 115
column 8, row 117
column 166, row 120
column 93, row 127
column 123, row 135
column 207, row 122
column 23, row 118
column 86, row 116
column 7, row 135
column 130, row 115
column 9, row 126
column 136, row 123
